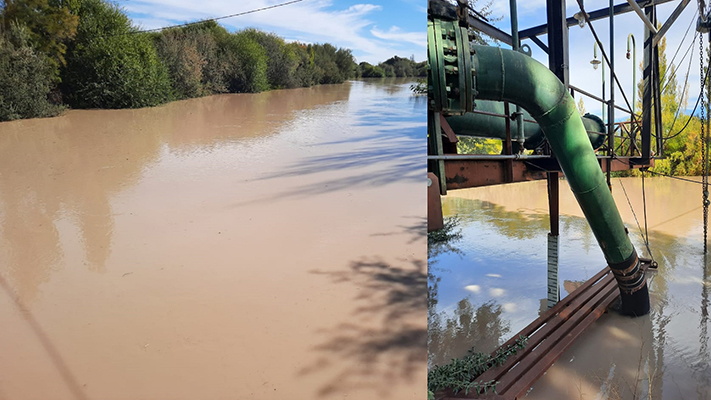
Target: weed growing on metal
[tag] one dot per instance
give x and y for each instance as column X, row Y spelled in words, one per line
column 460, row 374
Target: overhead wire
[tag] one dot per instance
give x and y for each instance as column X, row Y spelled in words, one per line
column 210, row 19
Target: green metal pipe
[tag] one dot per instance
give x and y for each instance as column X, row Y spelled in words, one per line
column 489, row 126
column 504, row 75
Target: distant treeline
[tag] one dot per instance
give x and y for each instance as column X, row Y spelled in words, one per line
column 395, row 66
column 88, row 54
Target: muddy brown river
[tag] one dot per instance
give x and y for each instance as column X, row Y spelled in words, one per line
column 260, row 246
column 496, row 285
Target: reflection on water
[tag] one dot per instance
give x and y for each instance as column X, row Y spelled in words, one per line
column 70, row 167
column 501, row 271
column 148, row 253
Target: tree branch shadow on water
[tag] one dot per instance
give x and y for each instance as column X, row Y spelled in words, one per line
column 383, row 355
column 417, row 230
column 54, row 355
column 394, row 162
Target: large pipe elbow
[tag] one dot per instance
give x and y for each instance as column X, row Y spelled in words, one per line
column 505, row 75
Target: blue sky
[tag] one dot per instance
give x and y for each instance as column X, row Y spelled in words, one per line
column 374, row 30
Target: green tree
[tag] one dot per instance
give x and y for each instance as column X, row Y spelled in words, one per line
column 110, row 64
column 25, row 77
column 50, row 25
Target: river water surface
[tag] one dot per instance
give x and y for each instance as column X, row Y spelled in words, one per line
column 260, row 246
column 496, row 285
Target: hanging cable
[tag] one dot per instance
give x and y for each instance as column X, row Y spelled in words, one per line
column 704, row 143
column 693, row 19
column 678, row 108
column 644, row 239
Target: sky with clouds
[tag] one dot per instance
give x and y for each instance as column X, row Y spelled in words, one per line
column 374, row 30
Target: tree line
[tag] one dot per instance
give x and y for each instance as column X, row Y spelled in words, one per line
column 88, row 54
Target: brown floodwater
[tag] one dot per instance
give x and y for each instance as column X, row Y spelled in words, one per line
column 255, row 246
column 496, row 285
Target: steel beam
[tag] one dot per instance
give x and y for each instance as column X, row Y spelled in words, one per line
column 672, row 18
column 593, row 16
column 464, row 172
column 641, row 15
column 490, row 30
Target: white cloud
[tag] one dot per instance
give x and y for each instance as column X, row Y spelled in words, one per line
column 497, row 292
column 473, row 288
column 396, row 34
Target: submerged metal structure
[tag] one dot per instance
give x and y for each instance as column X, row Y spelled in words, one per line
column 462, row 76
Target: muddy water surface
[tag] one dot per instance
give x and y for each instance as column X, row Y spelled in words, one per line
column 496, row 285
column 231, row 247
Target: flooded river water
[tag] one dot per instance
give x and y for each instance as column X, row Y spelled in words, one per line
column 496, row 285
column 255, row 246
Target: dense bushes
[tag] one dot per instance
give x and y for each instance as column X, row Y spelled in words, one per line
column 25, row 78
column 395, row 66
column 88, row 54
column 109, row 65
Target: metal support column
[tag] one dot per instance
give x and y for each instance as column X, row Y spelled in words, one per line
column 647, row 89
column 558, row 63
column 611, row 103
column 435, row 148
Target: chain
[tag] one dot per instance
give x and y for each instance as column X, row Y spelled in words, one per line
column 704, row 142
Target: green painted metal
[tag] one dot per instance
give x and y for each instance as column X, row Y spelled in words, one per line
column 505, row 75
column 539, row 91
column 489, row 126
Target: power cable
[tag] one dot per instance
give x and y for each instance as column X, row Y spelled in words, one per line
column 210, row 19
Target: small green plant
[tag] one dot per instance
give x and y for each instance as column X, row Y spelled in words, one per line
column 460, row 374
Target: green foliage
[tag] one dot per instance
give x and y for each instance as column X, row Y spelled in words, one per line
column 50, row 26
column 460, row 374
column 403, row 67
column 366, row 70
column 281, row 61
column 103, row 61
column 25, row 77
column 111, row 66
column 247, row 64
column 472, row 145
column 332, row 65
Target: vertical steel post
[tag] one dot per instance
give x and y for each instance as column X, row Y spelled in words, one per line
column 435, row 147
column 647, row 90
column 516, row 44
column 611, row 103
column 558, row 63
column 508, row 174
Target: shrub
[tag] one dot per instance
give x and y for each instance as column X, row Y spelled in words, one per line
column 110, row 65
column 25, row 78
column 247, row 64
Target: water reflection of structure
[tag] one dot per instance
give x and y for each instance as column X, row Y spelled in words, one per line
column 674, row 356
